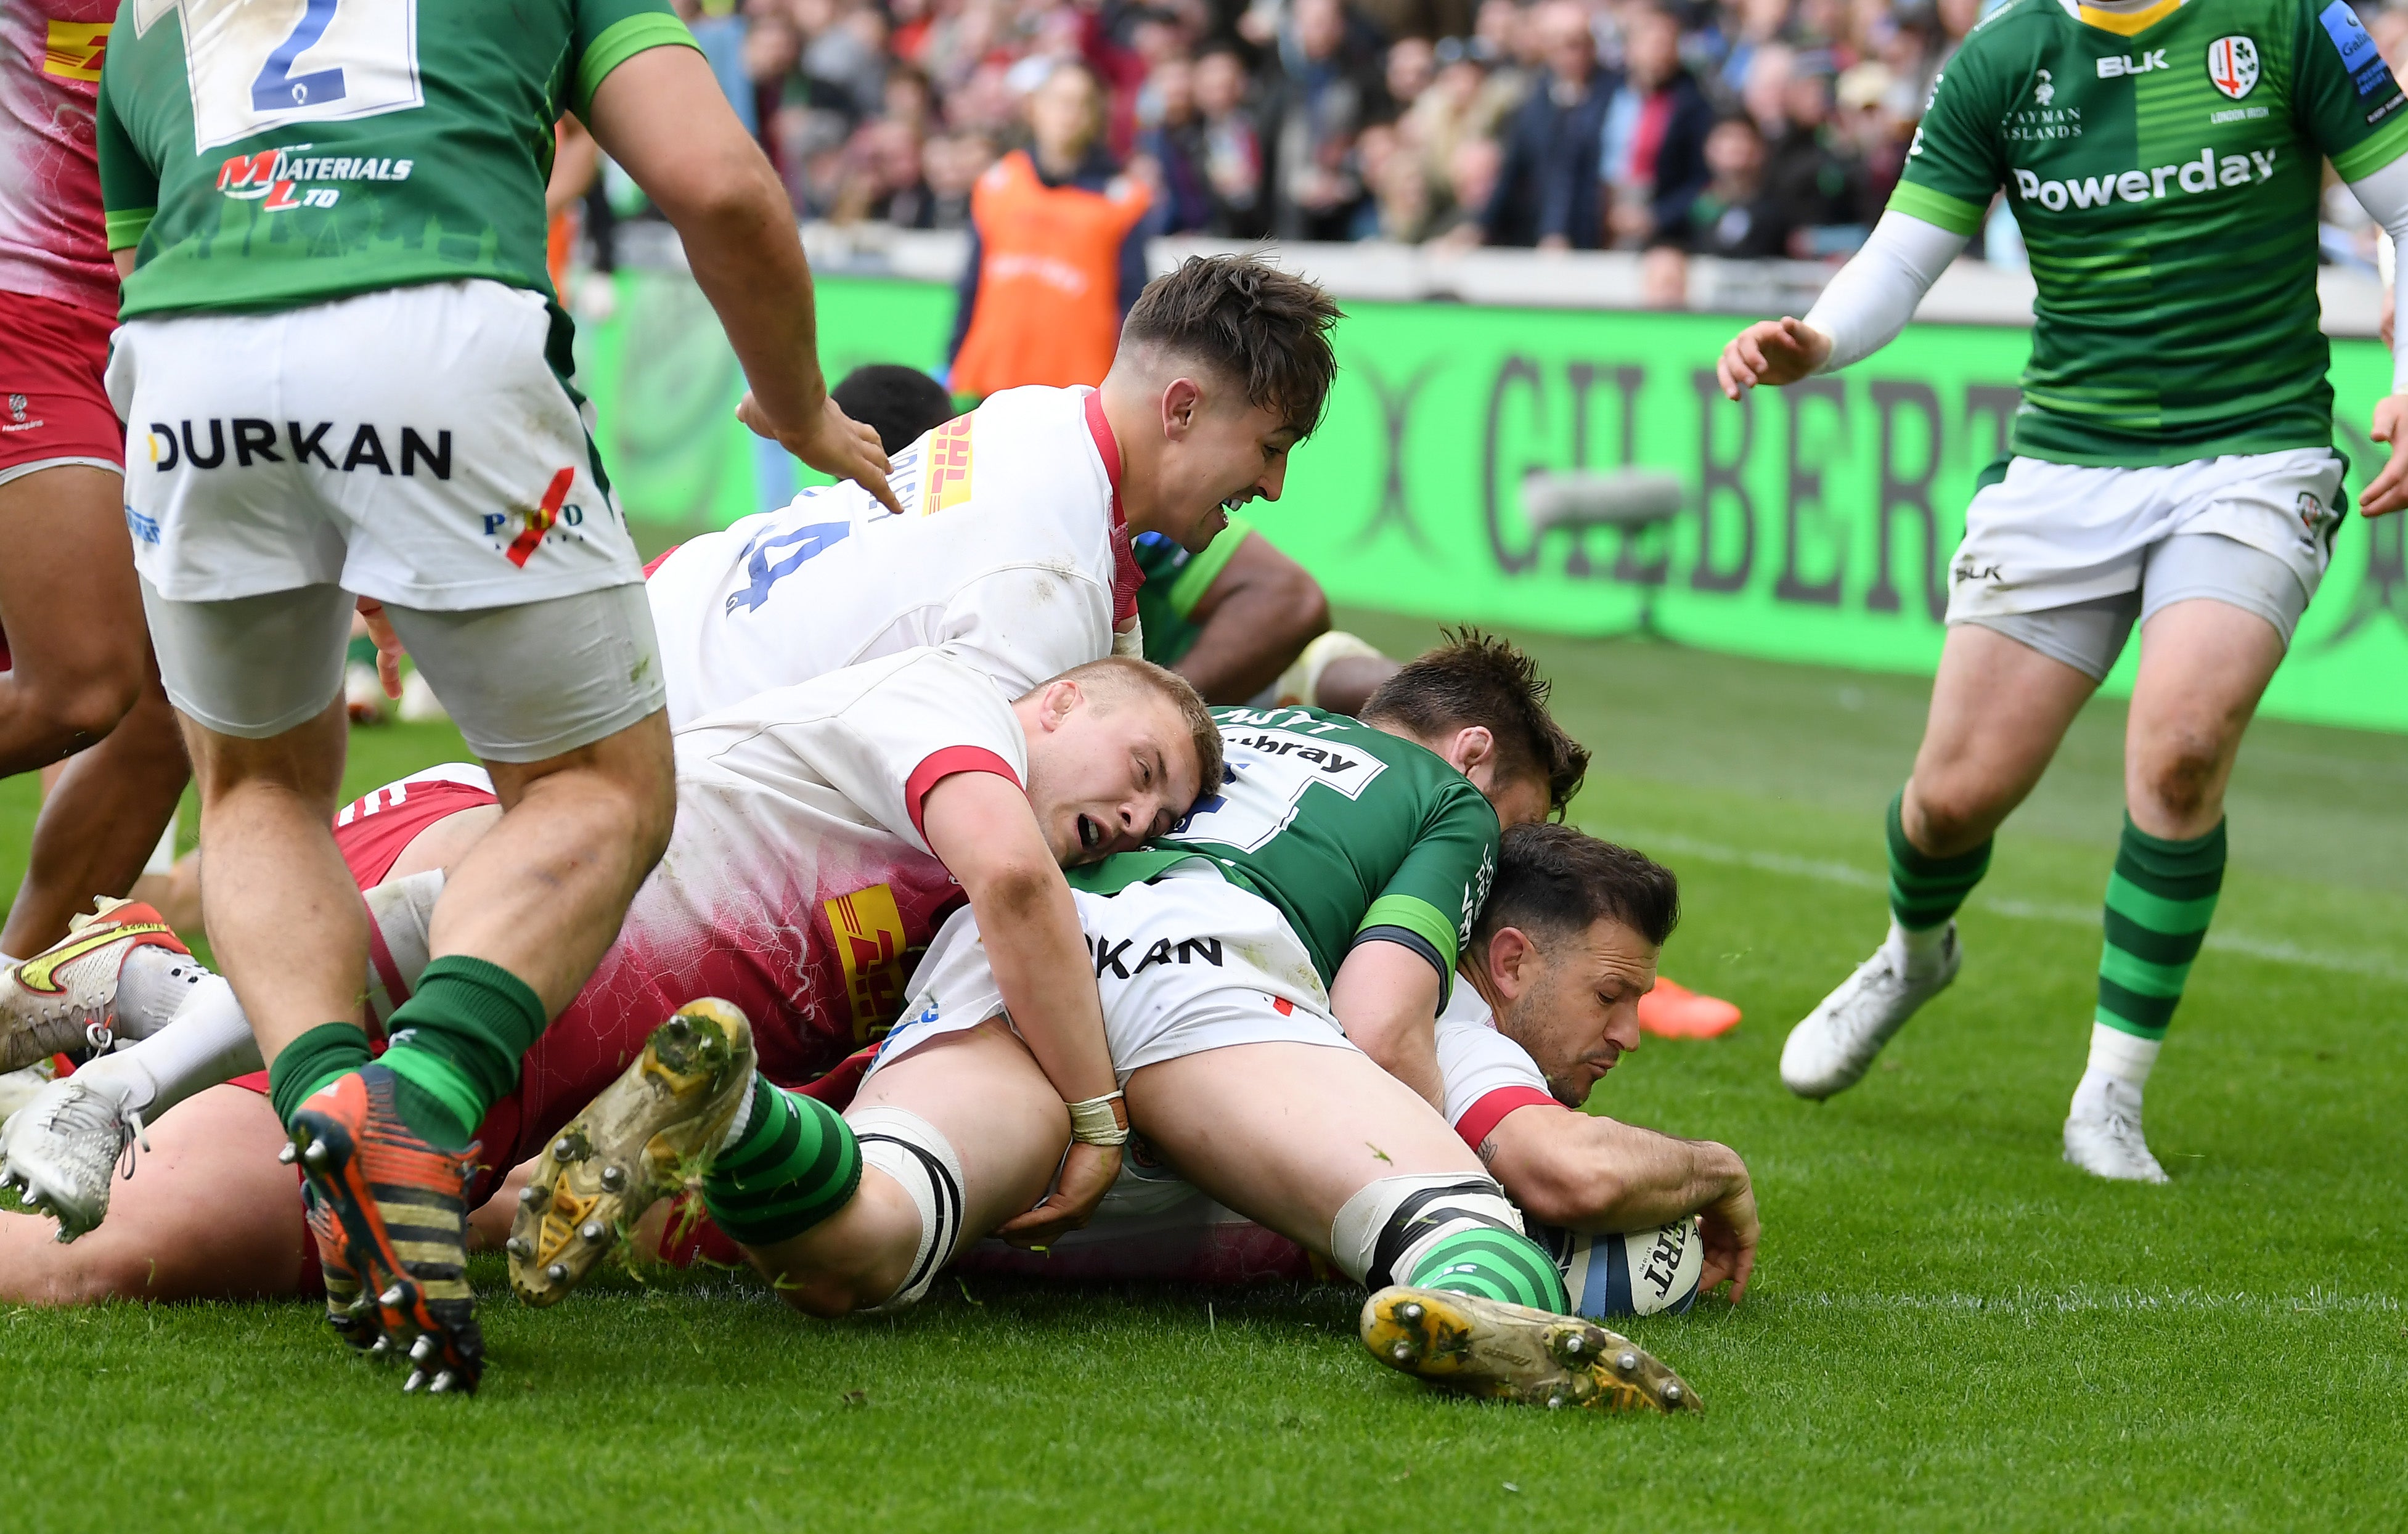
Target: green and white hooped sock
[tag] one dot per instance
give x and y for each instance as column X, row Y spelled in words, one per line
column 1494, row 1264
column 793, row 1162
column 1925, row 891
column 2160, row 901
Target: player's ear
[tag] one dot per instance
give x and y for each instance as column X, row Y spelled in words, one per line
column 1473, row 754
column 1182, row 403
column 1062, row 700
column 1513, row 959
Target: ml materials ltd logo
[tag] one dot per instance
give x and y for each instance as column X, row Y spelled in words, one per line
column 275, row 177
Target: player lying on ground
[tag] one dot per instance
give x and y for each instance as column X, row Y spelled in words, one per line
column 1013, row 551
column 821, row 831
column 2172, row 464
column 1563, row 950
column 1217, row 957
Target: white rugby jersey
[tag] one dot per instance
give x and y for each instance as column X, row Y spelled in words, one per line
column 1486, row 1074
column 798, row 882
column 1012, row 555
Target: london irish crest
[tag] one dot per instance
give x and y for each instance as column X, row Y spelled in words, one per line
column 2232, row 66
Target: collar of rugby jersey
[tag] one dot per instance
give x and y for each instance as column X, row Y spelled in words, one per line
column 2124, row 17
column 1127, row 577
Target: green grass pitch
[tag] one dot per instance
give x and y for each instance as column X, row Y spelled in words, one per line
column 1950, row 1327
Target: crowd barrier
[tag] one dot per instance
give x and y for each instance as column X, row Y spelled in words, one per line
column 1820, row 518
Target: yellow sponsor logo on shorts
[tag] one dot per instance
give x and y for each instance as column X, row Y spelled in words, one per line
column 74, row 50
column 868, row 930
column 948, row 481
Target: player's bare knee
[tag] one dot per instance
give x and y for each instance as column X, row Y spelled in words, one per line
column 1948, row 815
column 82, row 709
column 2182, row 776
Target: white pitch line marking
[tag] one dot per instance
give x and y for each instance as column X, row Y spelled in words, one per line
column 2271, row 950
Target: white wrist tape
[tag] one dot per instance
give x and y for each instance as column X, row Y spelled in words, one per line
column 1099, row 1120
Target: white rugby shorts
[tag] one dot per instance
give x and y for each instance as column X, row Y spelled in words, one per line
column 2052, row 535
column 1186, row 964
column 412, row 445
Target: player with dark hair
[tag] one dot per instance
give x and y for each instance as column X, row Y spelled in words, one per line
column 901, row 404
column 1013, row 548
column 1559, row 960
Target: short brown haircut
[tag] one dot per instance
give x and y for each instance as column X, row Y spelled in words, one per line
column 1479, row 679
column 1263, row 328
column 1117, row 677
column 1553, row 881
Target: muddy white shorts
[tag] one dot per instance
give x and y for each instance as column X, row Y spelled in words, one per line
column 412, row 445
column 2054, row 535
column 1186, row 964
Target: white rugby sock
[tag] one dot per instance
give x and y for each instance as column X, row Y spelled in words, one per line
column 152, row 985
column 1922, row 949
column 2122, row 1055
column 208, row 1041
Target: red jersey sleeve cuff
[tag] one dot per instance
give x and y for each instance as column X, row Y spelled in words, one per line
column 1482, row 1118
column 940, row 765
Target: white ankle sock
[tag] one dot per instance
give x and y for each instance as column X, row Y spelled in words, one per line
column 208, row 1041
column 152, row 985
column 1920, row 947
column 2122, row 1055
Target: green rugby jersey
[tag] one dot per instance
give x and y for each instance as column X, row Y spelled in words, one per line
column 264, row 154
column 2166, row 186
column 1175, row 581
column 1346, row 828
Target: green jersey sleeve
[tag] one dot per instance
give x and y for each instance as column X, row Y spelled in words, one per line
column 1429, row 902
column 129, row 184
column 1953, row 165
column 2344, row 96
column 612, row 32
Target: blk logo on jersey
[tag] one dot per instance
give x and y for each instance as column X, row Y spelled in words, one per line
column 2232, row 66
column 2123, row 64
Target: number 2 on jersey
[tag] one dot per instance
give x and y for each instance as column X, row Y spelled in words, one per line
column 277, row 86
column 256, row 65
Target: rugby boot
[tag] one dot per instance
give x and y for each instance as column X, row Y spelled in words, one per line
column 58, row 1153
column 650, row 1131
column 1833, row 1048
column 399, row 1204
column 1487, row 1347
column 348, row 1310
column 63, row 999
column 2102, row 1131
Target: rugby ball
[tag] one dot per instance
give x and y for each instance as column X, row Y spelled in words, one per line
column 1640, row 1272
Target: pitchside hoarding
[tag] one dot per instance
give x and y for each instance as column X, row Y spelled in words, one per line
column 1822, row 516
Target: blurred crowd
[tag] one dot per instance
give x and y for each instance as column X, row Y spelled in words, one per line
column 1744, row 127
column 1740, row 128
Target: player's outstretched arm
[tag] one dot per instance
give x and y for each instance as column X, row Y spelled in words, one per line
column 2383, row 195
column 1385, row 997
column 1772, row 351
column 1587, row 1174
column 980, row 827
column 1861, row 310
column 1259, row 613
column 662, row 116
